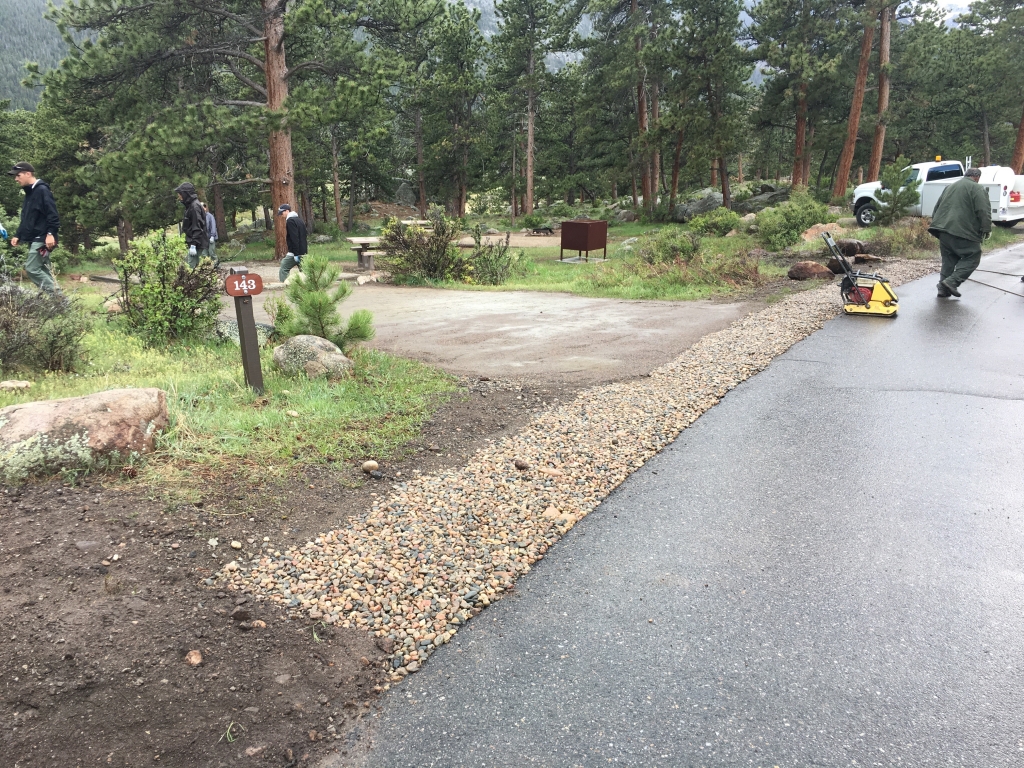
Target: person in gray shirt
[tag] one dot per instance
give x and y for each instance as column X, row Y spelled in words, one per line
column 211, row 228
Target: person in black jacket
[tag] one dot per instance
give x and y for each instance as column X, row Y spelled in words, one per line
column 39, row 225
column 193, row 225
column 296, row 237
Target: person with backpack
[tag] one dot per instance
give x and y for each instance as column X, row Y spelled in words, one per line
column 193, row 224
column 296, row 238
column 211, row 229
column 39, row 225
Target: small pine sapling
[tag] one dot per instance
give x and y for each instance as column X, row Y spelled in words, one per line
column 897, row 193
column 314, row 307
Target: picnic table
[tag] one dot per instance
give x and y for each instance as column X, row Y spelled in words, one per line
column 365, row 248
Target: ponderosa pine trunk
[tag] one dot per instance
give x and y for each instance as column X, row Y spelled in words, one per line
column 714, row 172
column 801, row 128
column 1017, row 161
column 218, row 210
column 282, row 167
column 655, row 154
column 856, row 105
column 641, row 112
column 531, row 116
column 878, row 141
column 805, row 172
column 352, row 198
column 674, row 192
column 337, row 180
column 422, row 202
column 726, row 192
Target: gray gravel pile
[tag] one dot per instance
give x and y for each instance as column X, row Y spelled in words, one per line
column 439, row 548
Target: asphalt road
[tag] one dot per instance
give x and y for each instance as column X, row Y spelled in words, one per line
column 827, row 569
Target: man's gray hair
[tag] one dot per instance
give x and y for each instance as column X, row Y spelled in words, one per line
column 974, row 173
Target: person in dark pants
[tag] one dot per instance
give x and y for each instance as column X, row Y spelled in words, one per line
column 296, row 237
column 39, row 225
column 962, row 219
column 211, row 230
column 193, row 224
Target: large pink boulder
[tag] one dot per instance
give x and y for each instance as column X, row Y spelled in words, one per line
column 79, row 432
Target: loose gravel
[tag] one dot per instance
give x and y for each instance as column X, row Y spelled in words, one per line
column 438, row 549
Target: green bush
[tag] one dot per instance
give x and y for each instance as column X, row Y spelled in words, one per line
column 532, row 221
column 560, row 210
column 496, row 263
column 161, row 298
column 781, row 226
column 39, row 331
column 718, row 222
column 411, row 252
column 909, row 236
column 897, row 194
column 314, row 307
column 668, row 245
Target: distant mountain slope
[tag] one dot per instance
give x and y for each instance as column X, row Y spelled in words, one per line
column 25, row 36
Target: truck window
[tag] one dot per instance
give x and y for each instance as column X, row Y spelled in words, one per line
column 940, row 172
column 912, row 176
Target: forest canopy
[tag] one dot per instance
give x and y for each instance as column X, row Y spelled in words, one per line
column 322, row 103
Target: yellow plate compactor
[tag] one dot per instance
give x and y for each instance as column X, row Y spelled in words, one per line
column 863, row 293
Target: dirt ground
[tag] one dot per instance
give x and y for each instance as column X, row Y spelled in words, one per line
column 103, row 601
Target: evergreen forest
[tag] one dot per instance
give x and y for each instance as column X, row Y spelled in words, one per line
column 506, row 108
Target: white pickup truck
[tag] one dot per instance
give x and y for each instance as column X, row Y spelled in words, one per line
column 1005, row 191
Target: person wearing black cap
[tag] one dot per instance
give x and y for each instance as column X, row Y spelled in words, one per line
column 295, row 230
column 193, row 224
column 39, row 225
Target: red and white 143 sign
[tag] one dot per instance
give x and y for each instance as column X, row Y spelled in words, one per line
column 243, row 285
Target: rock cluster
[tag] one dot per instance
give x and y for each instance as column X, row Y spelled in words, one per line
column 683, row 212
column 438, row 549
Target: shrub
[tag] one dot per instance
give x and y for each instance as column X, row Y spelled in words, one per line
column 39, row 331
column 161, row 298
column 496, row 263
column 718, row 222
column 560, row 210
column 897, row 194
column 532, row 221
column 782, row 225
column 668, row 245
column 909, row 236
column 413, row 252
column 699, row 270
column 314, row 307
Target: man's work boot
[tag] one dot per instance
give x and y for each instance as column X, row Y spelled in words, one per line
column 950, row 287
column 943, row 291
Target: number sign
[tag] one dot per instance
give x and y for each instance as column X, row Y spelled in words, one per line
column 243, row 285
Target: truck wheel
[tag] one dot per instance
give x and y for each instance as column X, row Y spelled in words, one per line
column 866, row 215
column 1006, row 224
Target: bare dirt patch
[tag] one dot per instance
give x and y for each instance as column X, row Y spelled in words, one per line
column 95, row 668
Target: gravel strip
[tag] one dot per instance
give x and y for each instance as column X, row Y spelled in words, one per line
column 440, row 548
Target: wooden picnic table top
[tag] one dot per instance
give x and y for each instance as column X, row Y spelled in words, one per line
column 363, row 240
column 416, row 222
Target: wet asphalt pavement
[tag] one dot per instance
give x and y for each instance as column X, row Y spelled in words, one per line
column 826, row 569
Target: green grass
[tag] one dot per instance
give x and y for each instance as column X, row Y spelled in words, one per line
column 217, row 422
column 610, row 280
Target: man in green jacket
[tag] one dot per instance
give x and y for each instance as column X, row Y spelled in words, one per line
column 962, row 219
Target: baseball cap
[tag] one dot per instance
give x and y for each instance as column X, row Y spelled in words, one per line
column 20, row 168
column 284, row 207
